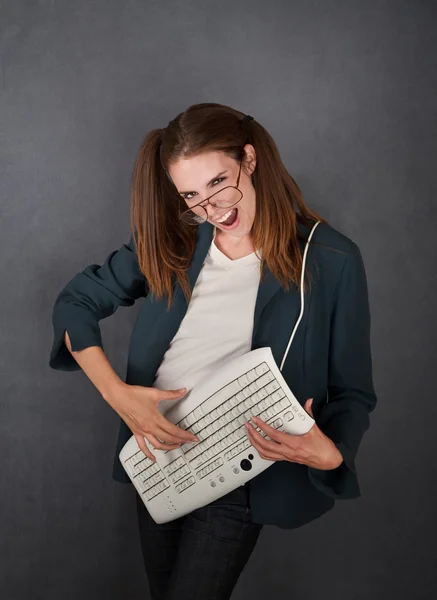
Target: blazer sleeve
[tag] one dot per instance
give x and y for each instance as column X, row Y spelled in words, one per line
column 351, row 396
column 91, row 295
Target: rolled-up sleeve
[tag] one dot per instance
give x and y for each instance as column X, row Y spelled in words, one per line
column 344, row 418
column 91, row 295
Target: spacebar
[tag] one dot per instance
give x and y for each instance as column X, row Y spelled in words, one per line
column 220, row 396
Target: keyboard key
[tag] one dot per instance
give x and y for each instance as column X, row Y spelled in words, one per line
column 198, row 412
column 261, row 369
column 252, row 375
column 253, row 387
column 244, row 380
column 262, row 393
column 272, row 387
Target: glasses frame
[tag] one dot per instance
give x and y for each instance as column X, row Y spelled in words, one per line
column 208, row 200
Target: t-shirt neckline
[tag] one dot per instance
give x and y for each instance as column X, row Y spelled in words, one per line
column 218, row 256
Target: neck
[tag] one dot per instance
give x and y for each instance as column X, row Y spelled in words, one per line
column 231, row 247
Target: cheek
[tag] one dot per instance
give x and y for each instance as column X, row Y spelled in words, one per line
column 250, row 206
column 248, row 201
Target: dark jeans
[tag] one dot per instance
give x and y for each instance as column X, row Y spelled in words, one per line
column 202, row 554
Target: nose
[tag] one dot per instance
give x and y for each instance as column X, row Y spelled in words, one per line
column 212, row 212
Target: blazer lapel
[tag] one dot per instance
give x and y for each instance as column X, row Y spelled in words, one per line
column 266, row 290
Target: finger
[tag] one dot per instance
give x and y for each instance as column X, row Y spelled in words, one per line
column 308, row 407
column 277, row 436
column 267, row 445
column 259, row 434
column 175, row 432
column 143, row 446
column 179, row 437
column 266, row 454
column 160, row 445
column 163, row 436
column 269, row 457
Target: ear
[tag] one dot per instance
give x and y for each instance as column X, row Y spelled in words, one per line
column 249, row 159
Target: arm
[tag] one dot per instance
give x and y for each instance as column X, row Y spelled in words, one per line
column 96, row 366
column 94, row 294
column 344, row 418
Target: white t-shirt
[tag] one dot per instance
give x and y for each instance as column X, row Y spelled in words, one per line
column 218, row 324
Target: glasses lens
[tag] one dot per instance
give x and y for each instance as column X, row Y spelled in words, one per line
column 195, row 216
column 225, row 198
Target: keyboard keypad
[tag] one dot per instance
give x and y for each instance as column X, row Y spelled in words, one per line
column 210, row 468
column 229, row 427
column 185, row 484
column 238, row 449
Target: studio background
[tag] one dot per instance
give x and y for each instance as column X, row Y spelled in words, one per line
column 348, row 91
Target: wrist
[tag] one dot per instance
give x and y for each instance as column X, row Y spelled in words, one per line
column 112, row 391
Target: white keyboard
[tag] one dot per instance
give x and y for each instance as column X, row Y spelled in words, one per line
column 215, row 410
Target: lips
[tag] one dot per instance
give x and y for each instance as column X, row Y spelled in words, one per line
column 233, row 211
column 218, row 222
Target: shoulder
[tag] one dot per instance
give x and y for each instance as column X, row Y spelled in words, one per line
column 330, row 247
column 331, row 241
column 335, row 255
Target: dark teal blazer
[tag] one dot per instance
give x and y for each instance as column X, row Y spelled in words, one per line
column 329, row 359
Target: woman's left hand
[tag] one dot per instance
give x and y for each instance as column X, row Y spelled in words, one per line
column 314, row 448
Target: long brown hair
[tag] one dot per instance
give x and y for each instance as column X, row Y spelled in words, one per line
column 164, row 244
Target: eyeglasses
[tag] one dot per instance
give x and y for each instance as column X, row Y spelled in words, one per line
column 224, row 198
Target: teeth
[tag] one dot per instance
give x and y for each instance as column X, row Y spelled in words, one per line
column 225, row 216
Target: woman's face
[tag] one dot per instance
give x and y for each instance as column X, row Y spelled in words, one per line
column 200, row 176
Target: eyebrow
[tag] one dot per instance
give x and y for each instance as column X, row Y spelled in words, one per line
column 209, row 182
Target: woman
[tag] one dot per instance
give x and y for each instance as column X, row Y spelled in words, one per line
column 218, row 231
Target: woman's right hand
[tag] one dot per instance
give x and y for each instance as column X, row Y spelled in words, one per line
column 138, row 407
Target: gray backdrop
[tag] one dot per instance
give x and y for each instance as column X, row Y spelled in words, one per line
column 348, row 91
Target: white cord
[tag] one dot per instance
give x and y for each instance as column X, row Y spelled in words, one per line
column 301, row 294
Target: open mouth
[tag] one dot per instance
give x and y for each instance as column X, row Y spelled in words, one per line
column 230, row 220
